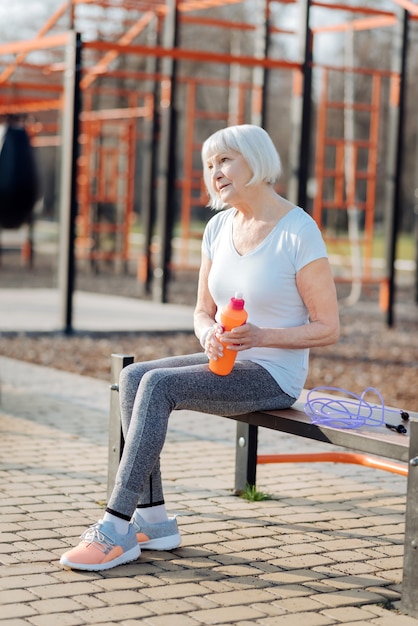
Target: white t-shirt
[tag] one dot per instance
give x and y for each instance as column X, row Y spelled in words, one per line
column 266, row 277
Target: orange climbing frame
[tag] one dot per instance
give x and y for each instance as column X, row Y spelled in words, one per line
column 101, row 63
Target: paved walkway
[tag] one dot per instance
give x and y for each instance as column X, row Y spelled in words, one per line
column 43, row 310
column 325, row 549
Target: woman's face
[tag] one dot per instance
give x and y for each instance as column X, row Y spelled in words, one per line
column 230, row 173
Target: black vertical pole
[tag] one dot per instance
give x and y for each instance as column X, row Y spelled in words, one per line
column 73, row 200
column 261, row 74
column 305, row 139
column 166, row 156
column 301, row 113
column 68, row 182
column 416, row 235
column 397, row 146
column 150, row 142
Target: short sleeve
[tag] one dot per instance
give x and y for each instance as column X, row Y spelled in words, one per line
column 310, row 245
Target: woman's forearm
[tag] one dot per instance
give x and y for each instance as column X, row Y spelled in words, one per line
column 314, row 334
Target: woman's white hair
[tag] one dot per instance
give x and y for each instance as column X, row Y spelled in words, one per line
column 254, row 144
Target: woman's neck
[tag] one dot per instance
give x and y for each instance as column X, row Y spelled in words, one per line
column 263, row 205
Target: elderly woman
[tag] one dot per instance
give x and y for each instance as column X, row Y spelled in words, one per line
column 271, row 251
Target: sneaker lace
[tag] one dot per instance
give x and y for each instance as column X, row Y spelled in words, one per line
column 96, row 536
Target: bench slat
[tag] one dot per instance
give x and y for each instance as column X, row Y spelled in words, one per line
column 374, row 440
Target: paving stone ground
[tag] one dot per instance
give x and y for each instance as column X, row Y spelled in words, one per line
column 326, row 549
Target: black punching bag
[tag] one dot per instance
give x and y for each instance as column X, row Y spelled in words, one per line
column 19, row 184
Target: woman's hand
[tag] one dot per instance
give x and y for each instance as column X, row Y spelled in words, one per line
column 211, row 344
column 240, row 338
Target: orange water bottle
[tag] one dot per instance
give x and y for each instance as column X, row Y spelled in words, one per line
column 232, row 315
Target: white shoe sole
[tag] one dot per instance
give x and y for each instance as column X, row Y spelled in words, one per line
column 126, row 557
column 162, row 543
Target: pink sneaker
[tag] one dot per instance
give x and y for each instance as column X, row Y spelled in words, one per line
column 101, row 548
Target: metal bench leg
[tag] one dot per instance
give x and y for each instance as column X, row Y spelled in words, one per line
column 116, row 441
column 245, row 456
column 409, row 603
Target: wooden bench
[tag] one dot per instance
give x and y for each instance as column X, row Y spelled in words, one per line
column 378, row 441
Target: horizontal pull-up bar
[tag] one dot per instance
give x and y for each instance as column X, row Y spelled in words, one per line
column 191, row 55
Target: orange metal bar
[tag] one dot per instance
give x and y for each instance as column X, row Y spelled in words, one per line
column 350, row 8
column 218, row 23
column 116, row 114
column 42, row 87
column 193, row 5
column 191, row 55
column 42, row 43
column 357, row 70
column 22, row 55
column 30, row 106
column 366, row 23
column 408, row 5
column 50, row 23
column 336, row 457
column 160, row 6
column 357, row 106
column 110, row 56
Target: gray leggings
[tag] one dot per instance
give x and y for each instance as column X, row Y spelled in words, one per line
column 149, row 391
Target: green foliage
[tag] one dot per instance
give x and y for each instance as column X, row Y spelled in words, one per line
column 252, row 495
column 405, row 247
